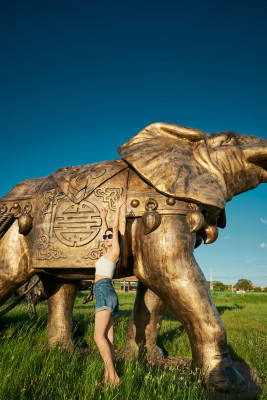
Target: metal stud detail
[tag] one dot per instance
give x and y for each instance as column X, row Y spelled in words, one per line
column 135, row 203
column 171, row 201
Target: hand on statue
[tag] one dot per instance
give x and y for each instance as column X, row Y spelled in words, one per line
column 120, row 201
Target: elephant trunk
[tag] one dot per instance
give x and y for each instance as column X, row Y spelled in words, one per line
column 257, row 155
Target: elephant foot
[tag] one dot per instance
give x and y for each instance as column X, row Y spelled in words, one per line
column 61, row 339
column 152, row 353
column 220, row 375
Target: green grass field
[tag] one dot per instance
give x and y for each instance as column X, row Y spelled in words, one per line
column 29, row 370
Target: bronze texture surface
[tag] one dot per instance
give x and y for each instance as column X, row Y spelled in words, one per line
column 67, row 233
column 177, row 181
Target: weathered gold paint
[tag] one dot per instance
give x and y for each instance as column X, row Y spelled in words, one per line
column 15, row 262
column 177, row 181
column 186, row 294
column 60, row 297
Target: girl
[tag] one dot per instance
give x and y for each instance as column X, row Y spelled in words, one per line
column 106, row 298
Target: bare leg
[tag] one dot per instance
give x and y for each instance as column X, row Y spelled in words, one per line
column 110, row 339
column 103, row 328
column 110, row 335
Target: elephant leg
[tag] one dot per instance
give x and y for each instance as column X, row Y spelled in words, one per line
column 31, row 305
column 164, row 262
column 144, row 325
column 60, row 297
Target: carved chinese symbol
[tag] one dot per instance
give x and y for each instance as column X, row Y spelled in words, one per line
column 78, row 224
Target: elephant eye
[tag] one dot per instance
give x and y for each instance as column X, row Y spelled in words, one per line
column 232, row 138
column 229, row 140
column 224, row 139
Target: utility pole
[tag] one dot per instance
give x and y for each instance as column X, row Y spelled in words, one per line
column 211, row 283
column 232, row 284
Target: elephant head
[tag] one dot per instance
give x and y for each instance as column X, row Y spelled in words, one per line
column 192, row 165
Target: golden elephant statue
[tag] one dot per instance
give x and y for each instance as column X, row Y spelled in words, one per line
column 177, row 181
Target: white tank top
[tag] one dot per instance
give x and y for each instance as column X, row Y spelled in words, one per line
column 105, row 267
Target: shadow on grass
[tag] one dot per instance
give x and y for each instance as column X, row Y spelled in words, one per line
column 177, row 332
column 253, row 384
column 168, row 316
column 250, row 376
column 222, row 309
column 81, row 323
column 172, row 334
column 233, row 354
column 22, row 319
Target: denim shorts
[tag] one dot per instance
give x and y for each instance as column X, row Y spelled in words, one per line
column 105, row 296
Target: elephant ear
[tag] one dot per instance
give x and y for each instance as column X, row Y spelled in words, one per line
column 175, row 160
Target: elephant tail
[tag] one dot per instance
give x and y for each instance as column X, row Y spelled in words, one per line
column 6, row 220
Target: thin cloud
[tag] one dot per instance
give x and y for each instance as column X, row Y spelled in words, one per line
column 264, row 221
column 248, row 260
column 263, row 245
column 260, row 266
column 227, row 237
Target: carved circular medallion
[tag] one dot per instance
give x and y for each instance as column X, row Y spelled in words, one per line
column 77, row 224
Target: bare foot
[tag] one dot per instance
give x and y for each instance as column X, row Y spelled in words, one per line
column 113, row 380
column 108, row 382
column 114, row 383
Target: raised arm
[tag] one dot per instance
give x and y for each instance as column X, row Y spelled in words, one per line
column 103, row 214
column 115, row 245
column 118, row 203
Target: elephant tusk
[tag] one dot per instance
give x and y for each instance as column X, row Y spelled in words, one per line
column 196, row 220
column 256, row 154
column 210, row 234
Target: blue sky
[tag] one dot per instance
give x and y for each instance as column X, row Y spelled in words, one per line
column 79, row 78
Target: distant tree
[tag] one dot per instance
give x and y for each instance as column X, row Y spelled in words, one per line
column 265, row 289
column 257, row 289
column 243, row 284
column 217, row 285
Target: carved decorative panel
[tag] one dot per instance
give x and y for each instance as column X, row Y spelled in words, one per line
column 77, row 224
column 67, row 234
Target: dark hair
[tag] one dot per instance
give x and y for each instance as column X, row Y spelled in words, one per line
column 118, row 263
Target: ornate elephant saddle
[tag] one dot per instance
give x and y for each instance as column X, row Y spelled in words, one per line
column 65, row 209
column 67, row 228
